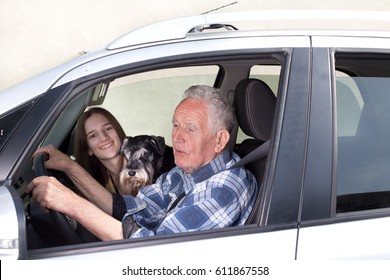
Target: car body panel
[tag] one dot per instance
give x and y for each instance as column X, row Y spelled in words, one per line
column 276, row 245
column 41, row 83
column 364, row 41
column 9, row 235
column 201, row 47
column 346, row 240
column 179, row 28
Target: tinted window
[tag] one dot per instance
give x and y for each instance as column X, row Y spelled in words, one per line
column 363, row 133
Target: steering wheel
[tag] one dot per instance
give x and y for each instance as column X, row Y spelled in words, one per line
column 59, row 219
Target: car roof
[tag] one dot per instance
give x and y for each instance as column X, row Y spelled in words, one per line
column 221, row 25
column 179, row 28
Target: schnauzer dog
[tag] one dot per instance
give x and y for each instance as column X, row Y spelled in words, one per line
column 147, row 158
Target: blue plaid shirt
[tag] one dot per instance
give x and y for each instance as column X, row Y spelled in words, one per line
column 215, row 198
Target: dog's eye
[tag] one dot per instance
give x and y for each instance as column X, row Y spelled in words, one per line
column 147, row 155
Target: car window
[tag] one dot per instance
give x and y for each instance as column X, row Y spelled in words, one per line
column 270, row 74
column 349, row 105
column 363, row 133
column 144, row 103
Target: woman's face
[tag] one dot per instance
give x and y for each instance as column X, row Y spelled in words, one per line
column 102, row 138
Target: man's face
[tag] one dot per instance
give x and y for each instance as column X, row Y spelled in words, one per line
column 193, row 144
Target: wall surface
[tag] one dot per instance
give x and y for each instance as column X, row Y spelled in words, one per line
column 36, row 35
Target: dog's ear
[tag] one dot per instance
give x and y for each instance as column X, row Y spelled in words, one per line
column 124, row 143
column 159, row 143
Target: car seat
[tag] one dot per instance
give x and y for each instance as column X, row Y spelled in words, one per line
column 255, row 107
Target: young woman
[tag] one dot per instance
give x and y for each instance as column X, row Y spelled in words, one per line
column 99, row 137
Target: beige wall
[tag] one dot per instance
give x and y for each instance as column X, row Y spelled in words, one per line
column 36, row 35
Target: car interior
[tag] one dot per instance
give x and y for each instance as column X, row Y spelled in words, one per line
column 157, row 92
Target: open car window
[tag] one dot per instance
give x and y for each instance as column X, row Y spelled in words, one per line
column 144, row 103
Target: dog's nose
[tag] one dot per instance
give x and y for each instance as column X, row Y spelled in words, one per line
column 131, row 173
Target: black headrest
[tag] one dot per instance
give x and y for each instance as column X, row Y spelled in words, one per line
column 255, row 106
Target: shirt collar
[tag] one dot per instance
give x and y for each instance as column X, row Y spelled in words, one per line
column 216, row 165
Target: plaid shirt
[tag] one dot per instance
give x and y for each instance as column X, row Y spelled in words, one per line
column 215, row 198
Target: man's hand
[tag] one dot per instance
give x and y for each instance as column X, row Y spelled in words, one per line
column 49, row 193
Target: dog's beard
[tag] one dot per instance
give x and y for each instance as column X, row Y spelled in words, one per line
column 129, row 185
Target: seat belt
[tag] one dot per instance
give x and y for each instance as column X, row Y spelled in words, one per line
column 176, row 201
column 256, row 154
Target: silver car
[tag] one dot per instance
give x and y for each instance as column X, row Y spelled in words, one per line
column 324, row 112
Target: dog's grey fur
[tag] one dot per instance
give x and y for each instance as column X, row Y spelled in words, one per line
column 147, row 158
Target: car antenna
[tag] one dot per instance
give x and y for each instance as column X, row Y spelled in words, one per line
column 221, row 7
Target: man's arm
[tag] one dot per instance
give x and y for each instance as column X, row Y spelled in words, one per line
column 96, row 221
column 51, row 194
column 205, row 210
column 88, row 186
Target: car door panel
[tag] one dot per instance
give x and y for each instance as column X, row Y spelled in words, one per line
column 345, row 215
column 364, row 239
column 267, row 245
column 9, row 230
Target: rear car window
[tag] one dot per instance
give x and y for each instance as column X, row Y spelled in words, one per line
column 363, row 132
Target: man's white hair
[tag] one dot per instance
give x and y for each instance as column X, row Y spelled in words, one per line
column 221, row 113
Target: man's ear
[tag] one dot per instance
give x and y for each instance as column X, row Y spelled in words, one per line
column 222, row 139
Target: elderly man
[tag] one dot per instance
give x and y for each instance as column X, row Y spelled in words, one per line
column 200, row 193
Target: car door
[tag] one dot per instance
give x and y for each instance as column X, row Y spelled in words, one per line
column 346, row 213
column 274, row 235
